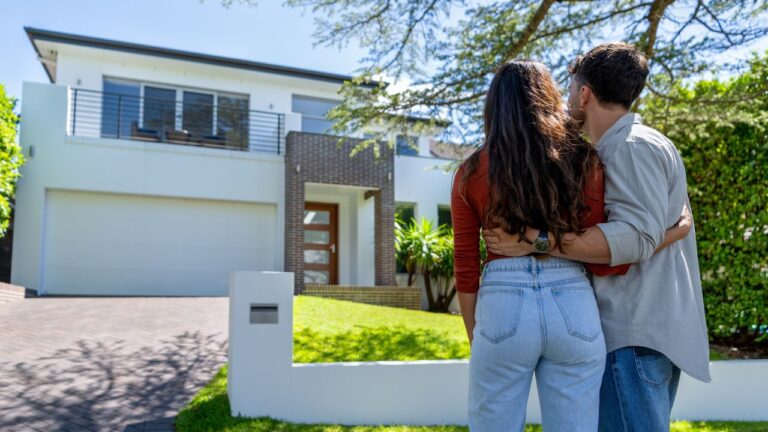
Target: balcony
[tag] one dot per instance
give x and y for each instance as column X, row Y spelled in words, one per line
column 225, row 125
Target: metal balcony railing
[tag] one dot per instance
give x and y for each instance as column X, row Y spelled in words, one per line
column 223, row 125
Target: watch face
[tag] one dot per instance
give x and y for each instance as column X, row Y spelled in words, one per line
column 541, row 245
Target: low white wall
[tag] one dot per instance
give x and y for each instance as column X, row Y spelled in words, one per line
column 738, row 391
column 264, row 381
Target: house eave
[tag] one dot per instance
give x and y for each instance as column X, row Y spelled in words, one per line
column 35, row 34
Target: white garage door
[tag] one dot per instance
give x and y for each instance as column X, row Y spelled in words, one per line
column 113, row 244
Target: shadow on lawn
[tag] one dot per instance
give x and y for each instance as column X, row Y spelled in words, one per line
column 108, row 386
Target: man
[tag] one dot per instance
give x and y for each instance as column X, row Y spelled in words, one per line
column 653, row 317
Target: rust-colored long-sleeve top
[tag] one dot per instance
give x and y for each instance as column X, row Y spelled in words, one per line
column 467, row 220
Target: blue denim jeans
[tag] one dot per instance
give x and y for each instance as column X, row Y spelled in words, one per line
column 639, row 387
column 535, row 316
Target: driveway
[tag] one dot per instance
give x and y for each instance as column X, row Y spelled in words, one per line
column 112, row 364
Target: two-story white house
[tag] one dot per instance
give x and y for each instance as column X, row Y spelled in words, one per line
column 153, row 171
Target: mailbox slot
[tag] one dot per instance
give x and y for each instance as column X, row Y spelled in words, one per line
column 263, row 314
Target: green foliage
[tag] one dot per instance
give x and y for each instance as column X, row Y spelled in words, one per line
column 327, row 330
column 11, row 157
column 427, row 252
column 725, row 149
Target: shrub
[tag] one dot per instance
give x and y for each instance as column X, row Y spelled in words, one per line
column 11, row 157
column 721, row 130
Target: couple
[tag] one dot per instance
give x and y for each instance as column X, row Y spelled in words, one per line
column 592, row 279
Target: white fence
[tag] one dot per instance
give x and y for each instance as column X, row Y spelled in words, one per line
column 264, row 381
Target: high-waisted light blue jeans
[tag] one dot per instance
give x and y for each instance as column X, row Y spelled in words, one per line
column 535, row 315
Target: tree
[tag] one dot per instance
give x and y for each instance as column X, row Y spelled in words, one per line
column 449, row 61
column 11, row 158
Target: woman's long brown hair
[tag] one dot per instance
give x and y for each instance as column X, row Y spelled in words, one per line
column 538, row 162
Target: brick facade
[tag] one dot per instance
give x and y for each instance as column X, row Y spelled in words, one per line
column 316, row 158
column 394, row 296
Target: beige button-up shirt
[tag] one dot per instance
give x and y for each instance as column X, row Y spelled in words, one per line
column 658, row 304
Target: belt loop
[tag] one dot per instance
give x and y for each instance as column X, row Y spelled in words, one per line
column 533, row 262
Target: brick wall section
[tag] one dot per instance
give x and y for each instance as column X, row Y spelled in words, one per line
column 321, row 160
column 11, row 293
column 395, row 296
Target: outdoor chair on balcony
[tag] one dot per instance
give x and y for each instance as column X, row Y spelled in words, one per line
column 178, row 136
column 213, row 141
column 143, row 134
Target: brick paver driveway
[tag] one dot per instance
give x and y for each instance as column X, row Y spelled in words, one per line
column 113, row 364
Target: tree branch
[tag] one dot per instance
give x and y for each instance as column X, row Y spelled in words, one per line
column 655, row 15
column 533, row 25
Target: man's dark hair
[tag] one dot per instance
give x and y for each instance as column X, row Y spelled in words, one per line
column 616, row 72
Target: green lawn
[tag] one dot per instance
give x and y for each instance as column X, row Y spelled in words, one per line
column 330, row 330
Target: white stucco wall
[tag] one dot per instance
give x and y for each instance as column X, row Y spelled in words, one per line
column 366, row 263
column 425, row 182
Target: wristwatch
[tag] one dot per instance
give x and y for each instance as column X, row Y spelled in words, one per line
column 541, row 244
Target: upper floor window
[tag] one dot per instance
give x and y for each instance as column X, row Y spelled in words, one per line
column 155, row 112
column 407, row 145
column 119, row 107
column 313, row 113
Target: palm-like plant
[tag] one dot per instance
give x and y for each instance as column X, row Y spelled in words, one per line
column 428, row 252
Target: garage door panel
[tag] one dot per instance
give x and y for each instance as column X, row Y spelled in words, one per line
column 113, row 244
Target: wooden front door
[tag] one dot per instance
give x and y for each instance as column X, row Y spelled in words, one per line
column 321, row 248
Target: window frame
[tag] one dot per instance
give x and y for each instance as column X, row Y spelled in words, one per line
column 179, row 99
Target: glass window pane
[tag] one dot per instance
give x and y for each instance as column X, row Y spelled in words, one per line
column 312, row 125
column 312, row 106
column 316, row 257
column 232, row 120
column 316, row 237
column 313, row 113
column 120, row 108
column 159, row 109
column 317, row 217
column 315, row 276
column 407, row 146
column 198, row 114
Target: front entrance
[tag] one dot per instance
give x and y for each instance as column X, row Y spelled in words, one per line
column 321, row 264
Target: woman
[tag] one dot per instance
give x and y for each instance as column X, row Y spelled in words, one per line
column 534, row 313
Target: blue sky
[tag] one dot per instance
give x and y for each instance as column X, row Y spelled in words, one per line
column 269, row 32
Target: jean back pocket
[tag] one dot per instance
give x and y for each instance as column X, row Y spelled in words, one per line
column 578, row 307
column 653, row 367
column 498, row 311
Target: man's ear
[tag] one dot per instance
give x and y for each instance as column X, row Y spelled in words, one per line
column 585, row 95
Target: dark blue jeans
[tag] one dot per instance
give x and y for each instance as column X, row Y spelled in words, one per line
column 638, row 390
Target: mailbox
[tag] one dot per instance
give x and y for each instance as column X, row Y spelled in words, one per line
column 263, row 313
